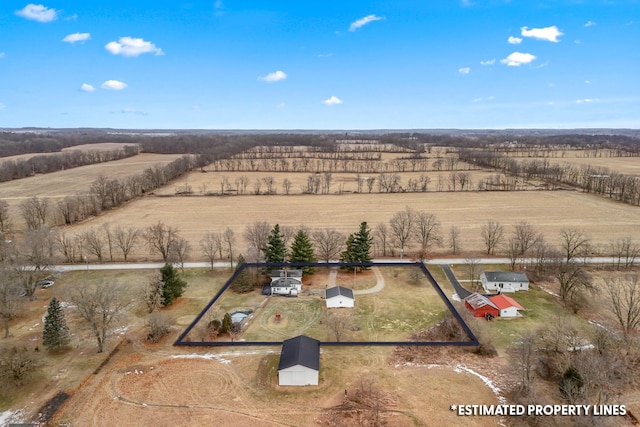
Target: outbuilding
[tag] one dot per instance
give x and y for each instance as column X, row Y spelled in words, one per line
column 338, row 296
column 481, row 306
column 508, row 306
column 504, row 281
column 299, row 362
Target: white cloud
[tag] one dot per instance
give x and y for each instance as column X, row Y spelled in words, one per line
column 363, row 21
column 113, row 85
column 589, row 24
column 516, row 59
column 586, row 101
column 38, row 12
column 88, row 88
column 488, row 62
column 550, row 34
column 281, row 105
column 129, row 46
column 514, row 40
column 76, row 37
column 587, row 82
column 464, row 70
column 276, row 76
column 334, row 100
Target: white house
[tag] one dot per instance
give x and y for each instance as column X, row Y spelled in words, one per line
column 299, row 361
column 286, row 282
column 508, row 306
column 504, row 281
column 338, row 296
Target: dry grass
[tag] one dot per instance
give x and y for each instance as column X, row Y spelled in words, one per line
column 625, row 165
column 103, row 146
column 548, row 212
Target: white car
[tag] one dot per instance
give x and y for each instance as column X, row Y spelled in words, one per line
column 44, row 284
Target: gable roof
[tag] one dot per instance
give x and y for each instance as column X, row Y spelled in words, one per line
column 476, row 301
column 503, row 301
column 337, row 291
column 506, row 276
column 286, row 273
column 287, row 282
column 300, row 350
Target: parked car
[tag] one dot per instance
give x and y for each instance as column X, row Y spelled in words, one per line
column 44, row 284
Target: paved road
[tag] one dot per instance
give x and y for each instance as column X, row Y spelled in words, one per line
column 435, row 261
column 460, row 290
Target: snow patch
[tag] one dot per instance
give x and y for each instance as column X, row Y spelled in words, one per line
column 496, row 390
column 11, row 417
column 455, row 297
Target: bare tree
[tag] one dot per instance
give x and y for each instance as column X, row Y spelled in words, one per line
column 35, row 212
column 67, row 245
column 152, row 293
column 286, row 185
column 126, row 239
column 108, row 234
column 94, row 242
column 380, row 235
column 574, row 241
column 100, row 306
column 210, row 245
column 402, row 226
column 472, row 267
column 10, row 301
column 492, row 233
column 160, row 238
column 338, row 325
column 625, row 252
column 328, row 243
column 624, row 298
column 5, row 219
column 526, row 236
column 524, row 358
column 573, row 281
column 454, row 239
column 229, row 239
column 99, row 188
column 179, row 250
column 428, row 231
column 256, row 235
column 31, row 259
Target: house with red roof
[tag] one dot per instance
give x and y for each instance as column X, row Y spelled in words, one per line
column 481, row 306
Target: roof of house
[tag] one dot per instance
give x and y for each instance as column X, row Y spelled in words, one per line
column 476, row 301
column 287, row 282
column 337, row 291
column 300, row 350
column 506, row 276
column 286, row 273
column 503, row 301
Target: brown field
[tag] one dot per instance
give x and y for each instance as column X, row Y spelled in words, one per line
column 547, row 211
column 625, row 165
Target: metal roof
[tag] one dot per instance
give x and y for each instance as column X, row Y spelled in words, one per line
column 300, row 350
column 339, row 290
column 506, row 276
column 477, row 301
column 286, row 273
column 287, row 282
column 503, row 301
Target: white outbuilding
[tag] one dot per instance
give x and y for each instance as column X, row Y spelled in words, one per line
column 339, row 296
column 299, row 362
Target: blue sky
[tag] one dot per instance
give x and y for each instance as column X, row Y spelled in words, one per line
column 402, row 64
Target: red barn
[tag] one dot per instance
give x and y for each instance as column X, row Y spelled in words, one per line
column 481, row 306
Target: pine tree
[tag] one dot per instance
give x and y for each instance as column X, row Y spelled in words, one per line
column 243, row 282
column 275, row 251
column 302, row 251
column 227, row 324
column 358, row 246
column 173, row 284
column 55, row 333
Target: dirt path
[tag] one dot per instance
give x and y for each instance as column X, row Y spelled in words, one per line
column 333, row 274
column 377, row 288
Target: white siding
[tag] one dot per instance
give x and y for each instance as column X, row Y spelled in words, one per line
column 509, row 312
column 340, row 301
column 298, row 375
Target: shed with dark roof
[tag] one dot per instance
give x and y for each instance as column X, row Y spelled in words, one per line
column 299, row 361
column 339, row 296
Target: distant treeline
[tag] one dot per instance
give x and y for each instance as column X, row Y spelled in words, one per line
column 39, row 164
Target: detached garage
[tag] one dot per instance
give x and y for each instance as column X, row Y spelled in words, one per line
column 299, row 361
column 338, row 296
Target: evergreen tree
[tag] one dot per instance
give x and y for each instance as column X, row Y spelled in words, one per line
column 275, row 251
column 358, row 246
column 302, row 251
column 243, row 282
column 227, row 324
column 173, row 285
column 55, row 333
